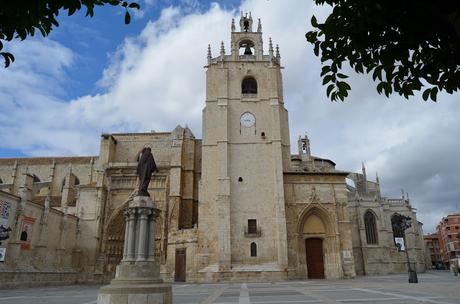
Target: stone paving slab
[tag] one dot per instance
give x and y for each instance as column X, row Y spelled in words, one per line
column 434, row 287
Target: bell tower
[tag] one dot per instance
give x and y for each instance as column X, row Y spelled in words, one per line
column 245, row 150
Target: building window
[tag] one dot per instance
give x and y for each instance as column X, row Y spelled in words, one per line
column 371, row 228
column 252, row 226
column 253, row 249
column 249, row 86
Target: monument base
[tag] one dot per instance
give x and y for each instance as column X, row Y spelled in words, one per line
column 135, row 294
column 137, row 279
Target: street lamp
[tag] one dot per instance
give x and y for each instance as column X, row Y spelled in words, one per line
column 402, row 223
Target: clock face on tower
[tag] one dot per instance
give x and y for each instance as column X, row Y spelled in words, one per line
column 248, row 120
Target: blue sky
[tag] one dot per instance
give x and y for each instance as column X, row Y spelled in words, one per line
column 98, row 75
column 96, row 39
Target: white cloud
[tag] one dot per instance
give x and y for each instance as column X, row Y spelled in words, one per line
column 156, row 81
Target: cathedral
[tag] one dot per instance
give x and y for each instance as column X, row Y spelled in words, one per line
column 235, row 205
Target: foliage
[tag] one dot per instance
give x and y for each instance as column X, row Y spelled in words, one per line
column 405, row 44
column 21, row 18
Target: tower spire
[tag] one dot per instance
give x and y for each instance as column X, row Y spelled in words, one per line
column 270, row 47
column 259, row 26
column 278, row 56
column 222, row 50
column 233, row 25
column 209, row 54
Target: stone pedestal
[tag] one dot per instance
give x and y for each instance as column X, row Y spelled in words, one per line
column 137, row 279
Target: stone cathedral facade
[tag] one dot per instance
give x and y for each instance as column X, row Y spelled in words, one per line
column 235, row 205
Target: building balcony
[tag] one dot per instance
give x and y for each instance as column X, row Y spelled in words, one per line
column 257, row 233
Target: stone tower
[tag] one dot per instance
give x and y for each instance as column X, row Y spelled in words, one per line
column 244, row 153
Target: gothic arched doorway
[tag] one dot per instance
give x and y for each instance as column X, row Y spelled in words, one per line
column 317, row 244
column 115, row 236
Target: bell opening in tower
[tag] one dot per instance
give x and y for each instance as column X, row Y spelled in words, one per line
column 246, row 47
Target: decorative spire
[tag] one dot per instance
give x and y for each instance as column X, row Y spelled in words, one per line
column 222, row 50
column 377, row 180
column 259, row 27
column 278, row 52
column 363, row 169
column 270, row 47
column 209, row 54
column 402, row 194
column 233, row 25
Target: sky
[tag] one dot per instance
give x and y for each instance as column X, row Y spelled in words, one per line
column 98, row 75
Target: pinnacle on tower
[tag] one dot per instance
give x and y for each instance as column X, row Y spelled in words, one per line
column 278, row 52
column 222, row 50
column 270, row 47
column 259, row 26
column 209, row 56
column 233, row 25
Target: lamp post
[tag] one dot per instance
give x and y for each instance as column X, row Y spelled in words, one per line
column 403, row 223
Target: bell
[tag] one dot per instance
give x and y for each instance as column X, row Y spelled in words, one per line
column 247, row 50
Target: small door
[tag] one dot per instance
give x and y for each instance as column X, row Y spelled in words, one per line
column 179, row 270
column 315, row 262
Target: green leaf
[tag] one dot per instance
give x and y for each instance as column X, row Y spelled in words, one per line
column 8, row 57
column 327, row 79
column 426, row 94
column 434, row 92
column 377, row 73
column 127, row 18
column 124, row 4
column 324, row 70
column 314, row 22
column 329, row 89
column 380, row 87
column 343, row 76
column 134, row 5
column 316, row 48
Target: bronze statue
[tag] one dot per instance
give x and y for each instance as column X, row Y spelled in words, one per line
column 145, row 167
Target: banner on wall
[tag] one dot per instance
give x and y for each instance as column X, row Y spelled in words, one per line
column 5, row 210
column 2, row 254
column 26, row 232
column 399, row 242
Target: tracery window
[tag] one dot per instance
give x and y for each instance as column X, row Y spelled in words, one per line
column 371, row 228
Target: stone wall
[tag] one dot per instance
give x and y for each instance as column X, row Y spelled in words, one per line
column 43, row 247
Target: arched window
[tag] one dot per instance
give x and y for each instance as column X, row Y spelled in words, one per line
column 36, row 179
column 371, row 228
column 249, row 86
column 246, row 48
column 253, row 249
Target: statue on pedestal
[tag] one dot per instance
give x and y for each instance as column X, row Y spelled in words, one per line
column 137, row 279
column 145, row 168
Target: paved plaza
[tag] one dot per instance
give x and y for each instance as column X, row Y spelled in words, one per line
column 434, row 287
